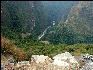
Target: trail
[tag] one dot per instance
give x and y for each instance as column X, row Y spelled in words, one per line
column 41, row 35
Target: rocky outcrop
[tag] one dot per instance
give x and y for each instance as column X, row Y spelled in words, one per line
column 66, row 60
column 88, row 66
column 63, row 61
column 88, row 60
column 39, row 58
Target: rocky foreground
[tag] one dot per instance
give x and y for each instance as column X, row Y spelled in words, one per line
column 63, row 61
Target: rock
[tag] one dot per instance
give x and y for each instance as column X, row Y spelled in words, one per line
column 39, row 58
column 87, row 66
column 22, row 63
column 79, row 59
column 60, row 63
column 2, row 67
column 65, row 56
column 88, row 60
column 65, row 60
column 10, row 60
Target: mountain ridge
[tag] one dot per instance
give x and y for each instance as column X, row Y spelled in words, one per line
column 78, row 28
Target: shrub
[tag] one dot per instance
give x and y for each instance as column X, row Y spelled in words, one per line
column 7, row 47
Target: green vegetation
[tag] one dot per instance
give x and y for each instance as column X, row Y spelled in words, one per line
column 21, row 17
column 8, row 48
column 32, row 47
column 78, row 27
column 22, row 22
column 58, row 10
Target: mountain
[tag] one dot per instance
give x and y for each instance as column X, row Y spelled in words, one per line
column 58, row 10
column 80, row 20
column 27, row 31
column 78, row 28
column 80, row 17
column 22, row 18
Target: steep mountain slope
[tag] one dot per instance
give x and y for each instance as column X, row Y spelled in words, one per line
column 78, row 27
column 22, row 17
column 58, row 10
column 80, row 20
column 80, row 17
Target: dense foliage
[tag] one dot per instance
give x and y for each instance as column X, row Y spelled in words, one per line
column 19, row 17
column 22, row 49
column 8, row 48
column 78, row 27
column 23, row 21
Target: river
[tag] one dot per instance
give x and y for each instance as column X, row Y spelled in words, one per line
column 41, row 35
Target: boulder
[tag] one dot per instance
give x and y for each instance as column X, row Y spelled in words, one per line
column 39, row 58
column 60, row 63
column 65, row 57
column 65, row 60
column 88, row 60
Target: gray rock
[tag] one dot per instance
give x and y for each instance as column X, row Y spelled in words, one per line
column 2, row 67
column 23, row 63
column 88, row 66
column 88, row 60
column 10, row 61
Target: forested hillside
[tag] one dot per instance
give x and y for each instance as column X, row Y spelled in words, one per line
column 31, row 18
column 22, row 18
column 58, row 10
column 46, row 28
column 78, row 27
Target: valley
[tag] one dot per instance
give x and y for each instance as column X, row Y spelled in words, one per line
column 40, row 36
column 47, row 35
